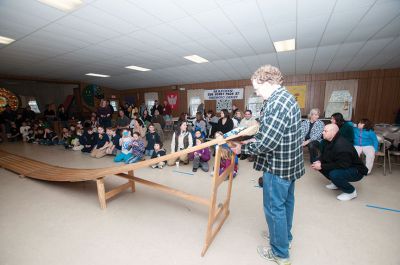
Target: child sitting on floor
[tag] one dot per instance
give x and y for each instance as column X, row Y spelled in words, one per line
column 197, row 133
column 65, row 137
column 201, row 157
column 102, row 143
column 49, row 137
column 76, row 142
column 151, row 138
column 24, row 130
column 113, row 147
column 137, row 149
column 14, row 134
column 39, row 135
column 30, row 138
column 226, row 155
column 158, row 152
column 89, row 140
column 126, row 145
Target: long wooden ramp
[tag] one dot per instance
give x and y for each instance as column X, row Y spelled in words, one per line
column 217, row 214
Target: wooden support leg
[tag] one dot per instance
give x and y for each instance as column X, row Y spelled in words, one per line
column 133, row 186
column 101, row 192
column 213, row 199
column 228, row 196
column 216, row 211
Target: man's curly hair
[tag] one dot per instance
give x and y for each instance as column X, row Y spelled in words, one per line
column 268, row 73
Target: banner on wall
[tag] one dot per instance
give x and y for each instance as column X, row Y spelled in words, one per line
column 299, row 92
column 226, row 93
column 172, row 98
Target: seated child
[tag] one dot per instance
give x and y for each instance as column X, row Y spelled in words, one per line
column 201, row 157
column 137, row 149
column 126, row 145
column 226, row 154
column 76, row 142
column 217, row 135
column 49, row 137
column 151, row 138
column 198, row 134
column 39, row 135
column 30, row 138
column 102, row 143
column 158, row 152
column 24, row 130
column 14, row 134
column 89, row 140
column 65, row 137
column 114, row 146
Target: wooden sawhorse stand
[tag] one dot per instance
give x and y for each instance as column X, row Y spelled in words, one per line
column 214, row 211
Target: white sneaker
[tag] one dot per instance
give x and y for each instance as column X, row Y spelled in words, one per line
column 267, row 253
column 331, row 186
column 347, row 196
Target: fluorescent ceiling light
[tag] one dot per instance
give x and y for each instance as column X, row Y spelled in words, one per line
column 98, row 75
column 137, row 68
column 5, row 40
column 63, row 5
column 195, row 58
column 285, row 45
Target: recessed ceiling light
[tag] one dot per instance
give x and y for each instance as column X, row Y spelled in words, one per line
column 195, row 58
column 5, row 40
column 63, row 5
column 137, row 68
column 285, row 45
column 98, row 75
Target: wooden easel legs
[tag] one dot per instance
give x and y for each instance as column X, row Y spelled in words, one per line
column 214, row 211
column 104, row 196
column 217, row 214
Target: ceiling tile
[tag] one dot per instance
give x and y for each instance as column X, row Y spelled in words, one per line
column 128, row 12
column 158, row 8
column 103, row 19
column 283, row 11
column 190, row 27
column 283, row 31
column 193, row 7
column 215, row 21
column 311, row 8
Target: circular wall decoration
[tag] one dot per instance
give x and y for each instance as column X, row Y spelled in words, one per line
column 98, row 92
column 90, row 92
column 8, row 98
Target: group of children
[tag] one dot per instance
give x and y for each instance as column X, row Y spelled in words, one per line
column 125, row 145
column 35, row 132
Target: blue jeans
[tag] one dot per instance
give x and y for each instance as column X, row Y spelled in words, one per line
column 133, row 159
column 149, row 152
column 342, row 178
column 121, row 157
column 278, row 199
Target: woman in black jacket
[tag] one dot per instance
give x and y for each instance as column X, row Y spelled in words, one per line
column 225, row 123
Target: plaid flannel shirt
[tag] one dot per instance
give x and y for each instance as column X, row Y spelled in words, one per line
column 278, row 144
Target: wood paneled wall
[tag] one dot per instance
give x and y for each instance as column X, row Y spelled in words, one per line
column 378, row 95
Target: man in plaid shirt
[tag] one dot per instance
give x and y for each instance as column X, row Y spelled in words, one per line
column 278, row 148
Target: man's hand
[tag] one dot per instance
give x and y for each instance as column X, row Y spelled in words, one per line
column 316, row 165
column 306, row 142
column 236, row 148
